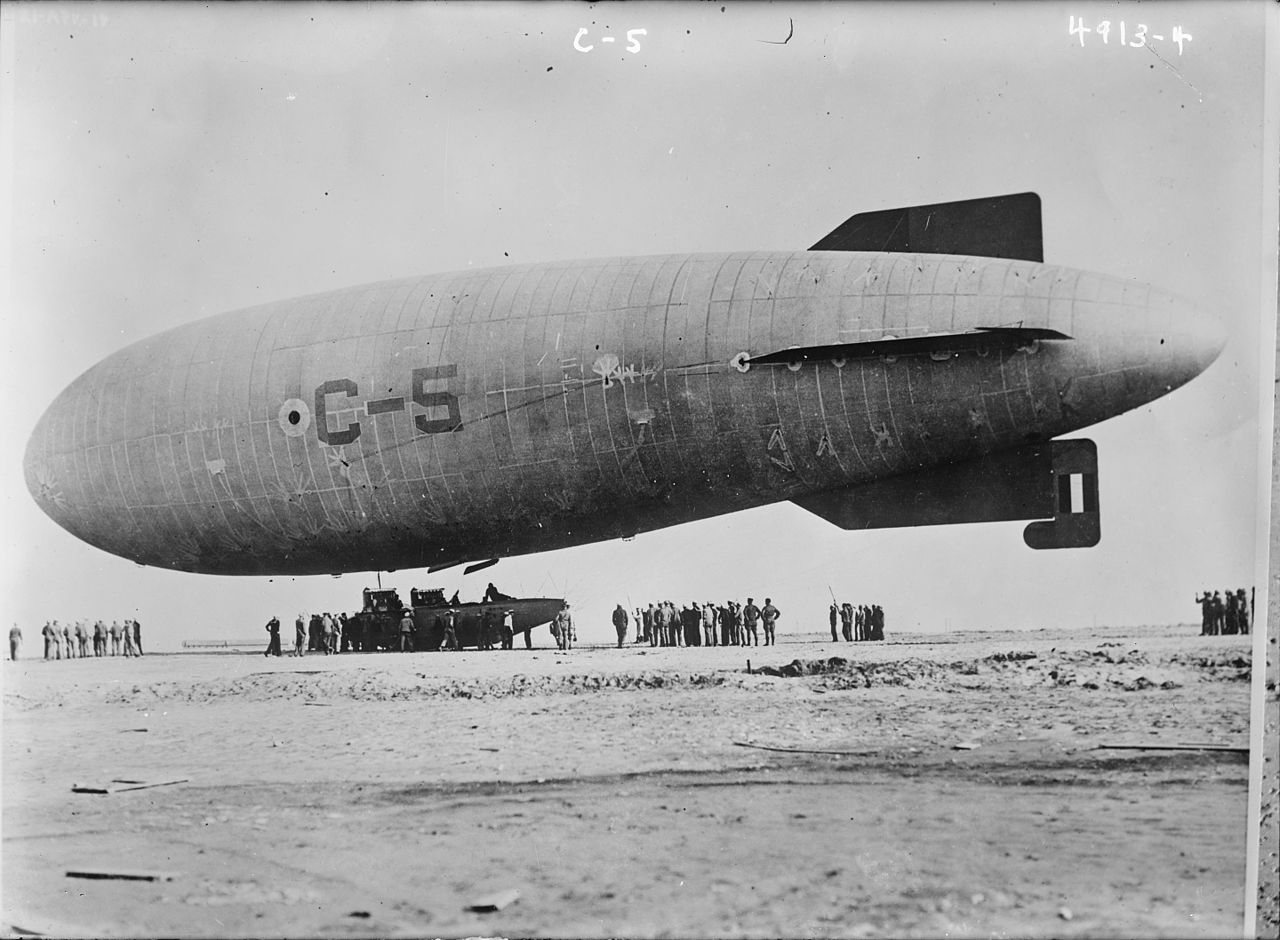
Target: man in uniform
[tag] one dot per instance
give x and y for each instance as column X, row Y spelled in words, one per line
column 406, row 632
column 300, row 636
column 273, row 646
column 1219, row 614
column 99, row 638
column 137, row 638
column 47, row 633
column 833, row 614
column 709, row 619
column 68, row 642
column 769, row 614
column 1242, row 611
column 750, row 617
column 567, row 635
column 691, row 620
column 126, row 634
column 509, row 630
column 1205, row 600
column 15, row 642
column 450, row 641
column 620, row 624
column 115, row 633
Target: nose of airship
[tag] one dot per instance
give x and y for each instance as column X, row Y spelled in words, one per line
column 1196, row 339
column 1132, row 344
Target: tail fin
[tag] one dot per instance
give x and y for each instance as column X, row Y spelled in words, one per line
column 992, row 227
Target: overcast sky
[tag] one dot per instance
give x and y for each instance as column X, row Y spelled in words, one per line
column 168, row 162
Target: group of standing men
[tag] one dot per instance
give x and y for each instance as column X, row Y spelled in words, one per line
column 1219, row 617
column 67, row 641
column 709, row 624
column 322, row 633
column 864, row 622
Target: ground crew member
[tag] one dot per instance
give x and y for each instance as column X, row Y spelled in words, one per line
column 137, row 638
column 127, row 634
column 66, row 641
column 620, row 624
column 47, row 633
column 1242, row 611
column 1205, row 600
column 99, row 638
column 769, row 615
column 566, row 628
column 450, row 641
column 300, row 635
column 273, row 646
column 692, row 617
column 750, row 616
column 335, row 640
column 833, row 614
column 406, row 633
column 709, row 624
column 15, row 642
column 509, row 630
column 115, row 637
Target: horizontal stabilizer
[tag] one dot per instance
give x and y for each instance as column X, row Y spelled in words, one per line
column 1055, row 482
column 980, row 339
column 991, row 227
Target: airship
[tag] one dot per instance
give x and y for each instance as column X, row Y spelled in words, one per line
column 916, row 366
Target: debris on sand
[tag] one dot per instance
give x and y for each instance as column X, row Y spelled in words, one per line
column 802, row 750
column 106, row 874
column 117, row 786
column 494, row 902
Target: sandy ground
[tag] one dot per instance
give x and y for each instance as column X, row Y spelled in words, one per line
column 379, row 794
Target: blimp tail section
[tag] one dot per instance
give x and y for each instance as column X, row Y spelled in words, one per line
column 1055, row 483
column 991, row 227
